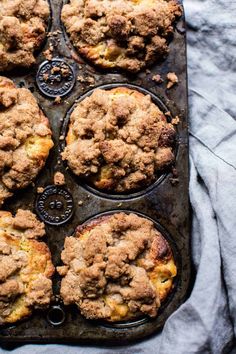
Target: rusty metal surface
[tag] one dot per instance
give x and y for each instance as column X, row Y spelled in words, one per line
column 166, row 204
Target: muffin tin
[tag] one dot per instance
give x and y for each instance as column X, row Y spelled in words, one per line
column 63, row 208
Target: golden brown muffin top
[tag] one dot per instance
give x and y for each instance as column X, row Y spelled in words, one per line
column 119, row 140
column 22, row 30
column 25, row 266
column 117, row 267
column 25, row 138
column 126, row 34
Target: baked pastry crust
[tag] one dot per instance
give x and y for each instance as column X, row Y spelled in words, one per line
column 23, row 26
column 25, row 266
column 117, row 267
column 119, row 140
column 25, row 138
column 126, row 34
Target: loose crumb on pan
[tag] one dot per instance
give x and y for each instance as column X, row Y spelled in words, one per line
column 174, row 181
column 119, row 140
column 175, row 120
column 59, row 178
column 57, row 100
column 80, row 202
column 121, row 33
column 86, row 79
column 48, row 53
column 40, row 190
column 157, row 78
column 25, row 138
column 172, row 80
column 117, row 267
column 25, row 266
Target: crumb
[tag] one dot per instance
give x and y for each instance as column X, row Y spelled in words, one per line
column 168, row 114
column 59, row 179
column 80, row 78
column 175, row 120
column 172, row 80
column 61, row 137
column 48, row 54
column 90, row 80
column 119, row 205
column 174, row 181
column 45, row 77
column 157, row 78
column 80, row 203
column 57, row 100
column 65, row 71
column 148, row 71
column 40, row 190
column 55, row 69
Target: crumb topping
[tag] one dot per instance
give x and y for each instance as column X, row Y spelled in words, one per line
column 117, row 267
column 25, row 266
column 59, row 178
column 119, row 140
column 127, row 34
column 25, row 138
column 22, row 30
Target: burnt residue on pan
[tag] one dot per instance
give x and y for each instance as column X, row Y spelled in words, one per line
column 61, row 78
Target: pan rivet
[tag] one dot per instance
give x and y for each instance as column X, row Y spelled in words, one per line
column 55, row 78
column 55, row 205
column 56, row 315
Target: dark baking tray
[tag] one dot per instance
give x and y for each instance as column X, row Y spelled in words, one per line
column 165, row 202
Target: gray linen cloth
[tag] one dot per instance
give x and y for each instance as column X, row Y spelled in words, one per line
column 206, row 322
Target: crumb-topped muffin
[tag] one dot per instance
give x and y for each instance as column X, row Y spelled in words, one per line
column 119, row 140
column 117, row 267
column 25, row 266
column 23, row 26
column 25, row 138
column 126, row 34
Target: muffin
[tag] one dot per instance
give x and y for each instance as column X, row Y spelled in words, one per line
column 117, row 267
column 25, row 138
column 23, row 27
column 126, row 34
column 25, row 266
column 119, row 140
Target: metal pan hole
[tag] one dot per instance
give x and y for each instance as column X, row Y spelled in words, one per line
column 56, row 316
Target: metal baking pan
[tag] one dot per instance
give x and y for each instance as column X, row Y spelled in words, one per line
column 165, row 202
